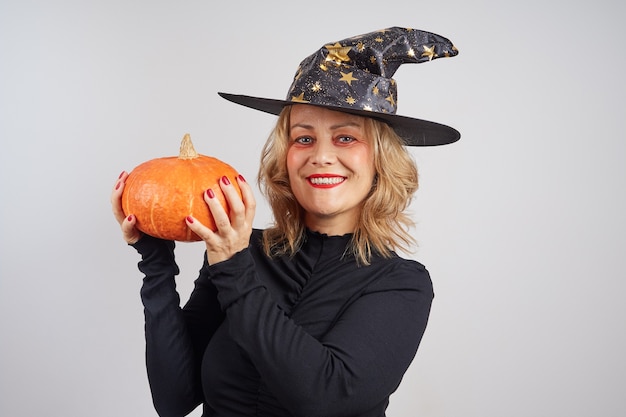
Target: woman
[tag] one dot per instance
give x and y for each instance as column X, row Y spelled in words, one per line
column 317, row 315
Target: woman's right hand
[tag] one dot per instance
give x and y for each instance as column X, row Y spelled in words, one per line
column 127, row 223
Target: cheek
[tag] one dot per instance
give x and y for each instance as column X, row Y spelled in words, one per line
column 364, row 159
column 293, row 161
column 290, row 163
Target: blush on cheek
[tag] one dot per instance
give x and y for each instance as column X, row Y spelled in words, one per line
column 292, row 161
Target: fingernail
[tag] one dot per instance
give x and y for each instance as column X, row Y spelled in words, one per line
column 130, row 218
column 117, row 186
column 241, row 178
column 120, row 175
column 225, row 180
column 190, row 219
column 210, row 193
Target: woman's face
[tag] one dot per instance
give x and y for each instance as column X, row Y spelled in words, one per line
column 330, row 165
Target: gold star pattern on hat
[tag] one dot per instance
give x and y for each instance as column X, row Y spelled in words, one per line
column 429, row 52
column 299, row 99
column 338, row 53
column 347, row 77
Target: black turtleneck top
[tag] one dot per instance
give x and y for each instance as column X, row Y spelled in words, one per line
column 310, row 335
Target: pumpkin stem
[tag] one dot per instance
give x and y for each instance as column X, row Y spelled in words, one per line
column 187, row 150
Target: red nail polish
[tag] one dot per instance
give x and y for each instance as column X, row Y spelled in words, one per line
column 130, row 218
column 120, row 175
column 241, row 178
column 210, row 193
column 190, row 219
column 117, row 186
column 225, row 180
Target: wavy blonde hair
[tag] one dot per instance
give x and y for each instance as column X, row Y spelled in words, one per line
column 382, row 226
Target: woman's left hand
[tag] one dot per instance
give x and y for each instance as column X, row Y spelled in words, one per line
column 234, row 228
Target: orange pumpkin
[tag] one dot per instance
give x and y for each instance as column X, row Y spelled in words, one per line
column 162, row 192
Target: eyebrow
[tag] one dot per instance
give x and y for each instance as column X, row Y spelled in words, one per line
column 333, row 127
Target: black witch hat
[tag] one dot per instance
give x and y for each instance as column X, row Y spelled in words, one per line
column 354, row 76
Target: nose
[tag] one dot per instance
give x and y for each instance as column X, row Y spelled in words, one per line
column 323, row 153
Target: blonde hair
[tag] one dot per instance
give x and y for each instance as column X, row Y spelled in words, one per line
column 382, row 225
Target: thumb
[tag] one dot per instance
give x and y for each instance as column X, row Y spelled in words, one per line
column 129, row 230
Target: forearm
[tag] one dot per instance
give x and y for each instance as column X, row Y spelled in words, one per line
column 170, row 359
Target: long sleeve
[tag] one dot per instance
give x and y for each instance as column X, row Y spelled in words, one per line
column 356, row 363
column 172, row 359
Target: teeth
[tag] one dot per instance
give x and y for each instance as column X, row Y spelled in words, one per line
column 326, row 180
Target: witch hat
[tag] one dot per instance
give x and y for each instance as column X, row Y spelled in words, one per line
column 354, row 75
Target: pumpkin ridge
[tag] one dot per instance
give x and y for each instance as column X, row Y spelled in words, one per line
column 190, row 207
column 152, row 222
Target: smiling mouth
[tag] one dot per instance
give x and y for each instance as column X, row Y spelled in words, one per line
column 326, row 181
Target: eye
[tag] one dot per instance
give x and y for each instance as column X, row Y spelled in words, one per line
column 345, row 139
column 303, row 140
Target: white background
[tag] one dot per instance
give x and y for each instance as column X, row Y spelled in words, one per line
column 521, row 223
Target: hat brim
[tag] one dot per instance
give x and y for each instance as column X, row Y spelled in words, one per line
column 414, row 132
